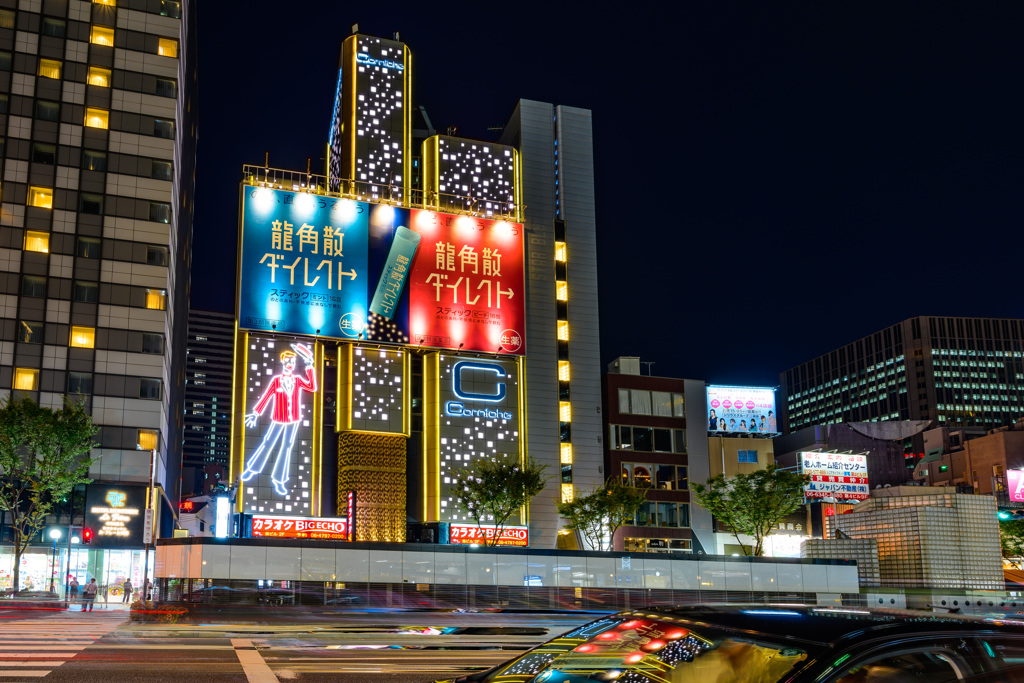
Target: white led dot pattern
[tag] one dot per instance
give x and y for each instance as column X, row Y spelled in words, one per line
column 377, row 390
column 475, row 176
column 380, row 118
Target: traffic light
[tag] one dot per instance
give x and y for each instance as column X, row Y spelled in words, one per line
column 86, row 535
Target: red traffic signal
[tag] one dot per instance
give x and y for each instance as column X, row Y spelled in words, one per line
column 86, row 535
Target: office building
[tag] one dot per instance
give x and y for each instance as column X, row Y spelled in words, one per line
column 98, row 104
column 206, row 442
column 962, row 371
column 989, row 463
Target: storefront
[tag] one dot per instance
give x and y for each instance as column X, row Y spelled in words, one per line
column 109, row 566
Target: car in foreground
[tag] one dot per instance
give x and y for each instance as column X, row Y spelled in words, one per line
column 774, row 644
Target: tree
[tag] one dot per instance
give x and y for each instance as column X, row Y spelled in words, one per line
column 599, row 514
column 496, row 488
column 1011, row 538
column 753, row 503
column 43, row 456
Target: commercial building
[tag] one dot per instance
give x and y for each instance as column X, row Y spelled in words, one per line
column 988, row 463
column 921, row 538
column 206, row 442
column 99, row 112
column 426, row 304
column 961, row 371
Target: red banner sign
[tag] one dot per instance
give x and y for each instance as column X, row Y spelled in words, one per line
column 468, row 533
column 323, row 528
column 467, row 284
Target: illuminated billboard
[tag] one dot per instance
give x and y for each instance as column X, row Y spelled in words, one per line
column 280, row 468
column 842, row 476
column 338, row 268
column 115, row 514
column 747, row 410
column 1015, row 484
column 314, row 528
column 516, row 536
column 476, row 415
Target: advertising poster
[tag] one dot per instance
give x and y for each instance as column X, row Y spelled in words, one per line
column 338, row 268
column 517, row 536
column 835, row 475
column 1015, row 484
column 747, row 410
column 314, row 528
column 116, row 514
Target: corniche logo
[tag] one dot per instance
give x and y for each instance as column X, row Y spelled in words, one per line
column 456, row 409
column 363, row 58
column 466, row 374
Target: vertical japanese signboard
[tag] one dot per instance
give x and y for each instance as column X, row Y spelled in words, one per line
column 842, row 476
column 331, row 267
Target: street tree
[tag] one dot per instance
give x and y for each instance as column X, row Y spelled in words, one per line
column 752, row 504
column 494, row 489
column 599, row 514
column 44, row 454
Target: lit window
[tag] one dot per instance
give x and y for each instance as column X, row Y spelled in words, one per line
column 566, row 493
column 563, row 330
column 566, row 453
column 156, row 299
column 111, row 3
column 99, row 76
column 49, row 68
column 562, row 290
column 168, row 47
column 37, row 241
column 563, row 371
column 149, row 439
column 564, row 411
column 560, row 252
column 26, row 379
column 83, row 337
column 41, row 197
column 101, row 35
column 96, row 118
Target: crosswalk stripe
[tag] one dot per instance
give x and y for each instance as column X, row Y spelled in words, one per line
column 21, row 655
column 34, row 663
column 32, row 648
column 32, row 673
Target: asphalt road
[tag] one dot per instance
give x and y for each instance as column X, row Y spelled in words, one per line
column 101, row 647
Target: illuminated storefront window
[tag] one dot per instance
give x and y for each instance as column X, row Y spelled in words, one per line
column 37, row 241
column 41, row 197
column 83, row 337
column 99, row 76
column 101, row 35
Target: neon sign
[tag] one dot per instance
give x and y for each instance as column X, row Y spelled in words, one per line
column 285, row 390
column 321, row 528
column 460, row 391
column 367, row 60
column 469, row 533
column 116, row 498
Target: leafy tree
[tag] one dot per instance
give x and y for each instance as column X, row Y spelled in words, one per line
column 1011, row 538
column 753, row 503
column 495, row 489
column 44, row 454
column 599, row 514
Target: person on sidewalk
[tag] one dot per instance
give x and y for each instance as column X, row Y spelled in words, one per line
column 127, row 591
column 73, row 590
column 89, row 595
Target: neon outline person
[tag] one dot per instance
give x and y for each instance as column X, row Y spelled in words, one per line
column 285, row 417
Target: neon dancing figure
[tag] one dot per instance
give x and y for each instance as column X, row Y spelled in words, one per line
column 285, row 418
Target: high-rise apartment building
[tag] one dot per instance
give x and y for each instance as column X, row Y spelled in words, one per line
column 967, row 371
column 206, row 444
column 99, row 112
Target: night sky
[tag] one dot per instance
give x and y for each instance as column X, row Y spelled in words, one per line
column 772, row 181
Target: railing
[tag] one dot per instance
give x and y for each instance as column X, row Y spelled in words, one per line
column 364, row 191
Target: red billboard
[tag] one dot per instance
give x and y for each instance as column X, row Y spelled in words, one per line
column 321, row 528
column 466, row 290
column 470, row 533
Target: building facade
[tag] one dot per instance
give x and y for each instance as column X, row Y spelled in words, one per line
column 206, row 443
column 99, row 112
column 967, row 371
column 981, row 462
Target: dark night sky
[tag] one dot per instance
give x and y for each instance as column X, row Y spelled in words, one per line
column 774, row 180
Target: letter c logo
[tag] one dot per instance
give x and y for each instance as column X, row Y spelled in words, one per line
column 462, row 367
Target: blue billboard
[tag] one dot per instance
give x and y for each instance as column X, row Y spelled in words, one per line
column 306, row 263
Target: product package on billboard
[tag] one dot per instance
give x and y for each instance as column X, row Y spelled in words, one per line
column 746, row 410
column 344, row 269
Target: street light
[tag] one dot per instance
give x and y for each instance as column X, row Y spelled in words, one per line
column 55, row 535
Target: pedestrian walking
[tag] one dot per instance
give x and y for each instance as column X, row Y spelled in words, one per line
column 89, row 595
column 127, row 587
column 73, row 590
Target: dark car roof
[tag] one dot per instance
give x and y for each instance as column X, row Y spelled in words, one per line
column 824, row 625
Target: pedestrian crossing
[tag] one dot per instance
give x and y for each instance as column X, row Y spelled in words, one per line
column 32, row 648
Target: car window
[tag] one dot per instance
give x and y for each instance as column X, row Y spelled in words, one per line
column 646, row 650
column 1000, row 653
column 934, row 666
